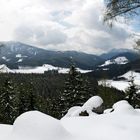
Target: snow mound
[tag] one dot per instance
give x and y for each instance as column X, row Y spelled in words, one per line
column 90, row 107
column 123, row 107
column 93, row 102
column 35, row 125
column 110, row 126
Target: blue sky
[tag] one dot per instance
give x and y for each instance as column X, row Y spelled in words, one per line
column 62, row 25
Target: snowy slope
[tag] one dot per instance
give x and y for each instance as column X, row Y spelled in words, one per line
column 123, row 84
column 131, row 73
column 5, row 69
column 118, row 60
column 46, row 67
column 121, row 124
column 39, row 69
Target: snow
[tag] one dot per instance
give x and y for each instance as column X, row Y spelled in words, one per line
column 35, row 125
column 123, row 84
column 5, row 131
column 5, row 69
column 38, row 126
column 39, row 69
column 73, row 111
column 20, row 60
column 123, row 107
column 131, row 73
column 46, row 67
column 108, row 111
column 18, row 56
column 93, row 103
column 4, row 58
column 122, row 123
column 118, row 60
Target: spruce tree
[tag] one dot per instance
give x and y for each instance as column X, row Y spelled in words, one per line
column 76, row 91
column 28, row 100
column 8, row 103
column 132, row 95
column 23, row 99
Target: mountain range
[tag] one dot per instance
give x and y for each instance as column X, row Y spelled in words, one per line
column 16, row 54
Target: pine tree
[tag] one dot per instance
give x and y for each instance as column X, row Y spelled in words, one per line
column 132, row 93
column 8, row 103
column 28, row 100
column 23, row 103
column 76, row 91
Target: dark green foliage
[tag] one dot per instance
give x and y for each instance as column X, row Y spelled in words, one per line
column 76, row 92
column 8, row 103
column 132, row 95
column 110, row 95
column 44, row 92
column 17, row 99
column 112, row 71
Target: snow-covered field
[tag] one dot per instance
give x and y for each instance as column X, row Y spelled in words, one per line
column 39, row 69
column 123, row 84
column 123, row 123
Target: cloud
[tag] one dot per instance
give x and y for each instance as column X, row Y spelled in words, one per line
column 61, row 25
column 40, row 36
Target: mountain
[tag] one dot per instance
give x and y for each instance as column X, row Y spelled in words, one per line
column 122, row 58
column 15, row 54
column 118, row 61
column 117, row 65
column 116, row 52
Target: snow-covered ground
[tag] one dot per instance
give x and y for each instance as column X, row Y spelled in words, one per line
column 39, row 69
column 123, row 84
column 5, row 69
column 122, row 123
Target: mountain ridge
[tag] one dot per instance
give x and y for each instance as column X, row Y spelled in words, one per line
column 15, row 54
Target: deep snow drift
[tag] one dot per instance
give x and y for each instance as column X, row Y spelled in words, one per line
column 122, row 122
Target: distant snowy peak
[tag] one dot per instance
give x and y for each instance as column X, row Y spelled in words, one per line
column 118, row 60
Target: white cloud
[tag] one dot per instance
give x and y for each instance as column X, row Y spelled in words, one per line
column 61, row 25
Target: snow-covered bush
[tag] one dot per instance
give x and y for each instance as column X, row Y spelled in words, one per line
column 94, row 104
column 92, row 107
column 122, row 107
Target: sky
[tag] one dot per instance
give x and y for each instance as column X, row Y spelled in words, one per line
column 62, row 25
